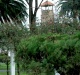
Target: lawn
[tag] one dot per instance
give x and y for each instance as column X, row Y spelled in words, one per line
column 3, row 67
column 4, row 73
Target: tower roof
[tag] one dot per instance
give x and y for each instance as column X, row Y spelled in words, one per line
column 46, row 3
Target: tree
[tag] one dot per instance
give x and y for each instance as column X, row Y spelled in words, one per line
column 60, row 52
column 12, row 9
column 32, row 13
column 70, row 8
column 10, row 36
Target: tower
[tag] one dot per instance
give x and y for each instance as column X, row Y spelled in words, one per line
column 47, row 15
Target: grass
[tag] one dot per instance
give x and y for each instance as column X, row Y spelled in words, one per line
column 21, row 73
column 4, row 67
column 4, row 73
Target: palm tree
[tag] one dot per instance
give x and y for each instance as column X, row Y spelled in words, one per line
column 70, row 8
column 13, row 9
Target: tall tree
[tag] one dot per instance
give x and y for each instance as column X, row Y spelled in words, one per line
column 10, row 36
column 32, row 13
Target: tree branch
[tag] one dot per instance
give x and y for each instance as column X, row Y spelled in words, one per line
column 36, row 5
column 36, row 8
column 40, row 3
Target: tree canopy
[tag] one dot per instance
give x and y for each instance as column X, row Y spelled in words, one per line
column 70, row 8
column 16, row 10
column 60, row 52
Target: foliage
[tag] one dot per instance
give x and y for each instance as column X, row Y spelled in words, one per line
column 66, row 28
column 11, row 34
column 4, row 58
column 70, row 8
column 16, row 10
column 61, row 28
column 52, row 51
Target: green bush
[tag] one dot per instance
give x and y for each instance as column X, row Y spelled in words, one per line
column 51, row 51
